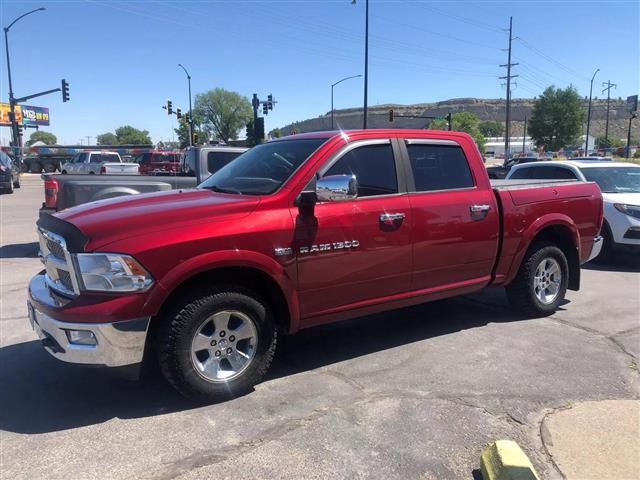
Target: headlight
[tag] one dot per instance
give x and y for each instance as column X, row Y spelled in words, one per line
column 110, row 272
column 631, row 210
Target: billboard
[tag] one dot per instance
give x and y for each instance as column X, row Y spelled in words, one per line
column 25, row 114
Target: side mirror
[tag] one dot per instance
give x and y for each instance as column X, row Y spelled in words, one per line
column 336, row 188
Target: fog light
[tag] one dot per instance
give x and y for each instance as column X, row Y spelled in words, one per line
column 81, row 337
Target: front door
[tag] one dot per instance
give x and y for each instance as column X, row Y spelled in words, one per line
column 354, row 252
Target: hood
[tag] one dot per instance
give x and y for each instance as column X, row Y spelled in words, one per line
column 106, row 221
column 627, row 198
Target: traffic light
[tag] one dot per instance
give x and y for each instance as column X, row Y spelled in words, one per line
column 195, row 138
column 391, row 114
column 178, row 113
column 19, row 128
column 65, row 90
column 270, row 101
column 249, row 130
column 169, row 107
column 260, row 129
column 265, row 108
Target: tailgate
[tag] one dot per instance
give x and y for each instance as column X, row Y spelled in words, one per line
column 120, row 168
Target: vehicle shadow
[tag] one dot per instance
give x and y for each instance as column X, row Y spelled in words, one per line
column 621, row 262
column 19, row 250
column 41, row 394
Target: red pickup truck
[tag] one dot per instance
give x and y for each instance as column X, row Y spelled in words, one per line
column 298, row 232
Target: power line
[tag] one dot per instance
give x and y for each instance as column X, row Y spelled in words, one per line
column 550, row 59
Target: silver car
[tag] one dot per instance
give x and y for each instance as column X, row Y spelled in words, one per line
column 90, row 162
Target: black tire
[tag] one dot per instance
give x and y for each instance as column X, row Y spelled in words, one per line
column 9, row 189
column 64, row 172
column 181, row 323
column 606, row 253
column 50, row 167
column 35, row 167
column 16, row 184
column 521, row 292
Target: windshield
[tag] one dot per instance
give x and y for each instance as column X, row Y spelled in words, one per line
column 264, row 168
column 615, row 179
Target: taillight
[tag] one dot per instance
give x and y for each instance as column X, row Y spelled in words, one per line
column 51, row 193
column 103, row 169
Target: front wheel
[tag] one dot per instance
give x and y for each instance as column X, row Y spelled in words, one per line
column 541, row 282
column 35, row 167
column 216, row 343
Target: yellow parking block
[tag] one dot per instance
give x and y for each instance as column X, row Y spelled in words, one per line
column 505, row 460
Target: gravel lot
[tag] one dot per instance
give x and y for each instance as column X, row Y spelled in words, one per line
column 414, row 393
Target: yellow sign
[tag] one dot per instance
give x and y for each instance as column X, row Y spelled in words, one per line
column 4, row 114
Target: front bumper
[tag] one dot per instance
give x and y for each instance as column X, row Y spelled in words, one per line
column 117, row 344
column 595, row 248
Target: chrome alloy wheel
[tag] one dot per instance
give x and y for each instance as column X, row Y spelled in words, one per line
column 224, row 346
column 547, row 281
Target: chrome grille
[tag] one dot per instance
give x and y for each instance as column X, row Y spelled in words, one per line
column 58, row 263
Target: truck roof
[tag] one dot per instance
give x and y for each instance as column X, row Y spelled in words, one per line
column 379, row 131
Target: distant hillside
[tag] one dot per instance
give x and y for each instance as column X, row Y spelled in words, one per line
column 485, row 109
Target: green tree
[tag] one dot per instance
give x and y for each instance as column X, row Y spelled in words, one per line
column 491, row 128
column 128, row 135
column 183, row 131
column 107, row 138
column 223, row 113
column 276, row 133
column 611, row 142
column 45, row 137
column 557, row 118
column 463, row 122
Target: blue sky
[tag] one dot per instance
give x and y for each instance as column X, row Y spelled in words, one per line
column 120, row 57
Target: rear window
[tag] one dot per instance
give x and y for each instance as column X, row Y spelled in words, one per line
column 439, row 167
column 542, row 172
column 166, row 157
column 217, row 160
column 105, row 157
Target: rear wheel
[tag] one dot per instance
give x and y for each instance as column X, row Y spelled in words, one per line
column 35, row 167
column 541, row 282
column 216, row 343
column 50, row 167
column 16, row 183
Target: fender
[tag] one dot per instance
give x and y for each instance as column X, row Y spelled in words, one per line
column 534, row 229
column 230, row 258
column 108, row 193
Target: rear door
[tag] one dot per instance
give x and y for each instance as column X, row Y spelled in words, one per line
column 354, row 252
column 455, row 220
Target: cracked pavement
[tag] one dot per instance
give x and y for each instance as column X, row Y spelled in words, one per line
column 413, row 393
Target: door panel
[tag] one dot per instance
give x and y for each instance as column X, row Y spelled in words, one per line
column 378, row 266
column 455, row 224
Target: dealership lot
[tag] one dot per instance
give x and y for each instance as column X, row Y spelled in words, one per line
column 414, row 393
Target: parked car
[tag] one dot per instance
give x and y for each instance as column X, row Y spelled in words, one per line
column 65, row 191
column 9, row 173
column 297, row 232
column 90, row 162
column 620, row 185
column 158, row 162
column 500, row 171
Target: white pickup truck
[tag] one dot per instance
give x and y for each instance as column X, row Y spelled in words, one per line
column 99, row 162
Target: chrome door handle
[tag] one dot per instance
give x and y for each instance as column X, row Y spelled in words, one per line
column 479, row 208
column 391, row 217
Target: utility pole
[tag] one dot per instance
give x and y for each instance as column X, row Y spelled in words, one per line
column 508, row 102
column 606, row 128
column 190, row 122
column 524, row 134
column 366, row 59
column 586, row 142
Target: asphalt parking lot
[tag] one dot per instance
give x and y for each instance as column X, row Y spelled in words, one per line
column 414, row 393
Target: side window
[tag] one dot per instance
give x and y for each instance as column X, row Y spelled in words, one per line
column 522, row 174
column 110, row 157
column 217, row 160
column 81, row 158
column 373, row 166
column 189, row 165
column 559, row 173
column 439, row 167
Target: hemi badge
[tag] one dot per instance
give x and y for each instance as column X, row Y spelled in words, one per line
column 282, row 252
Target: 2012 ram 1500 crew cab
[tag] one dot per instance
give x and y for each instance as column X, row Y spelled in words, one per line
column 294, row 233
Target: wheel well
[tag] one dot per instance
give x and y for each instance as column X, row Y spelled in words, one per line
column 562, row 237
column 251, row 278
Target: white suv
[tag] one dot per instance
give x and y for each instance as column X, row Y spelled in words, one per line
column 620, row 185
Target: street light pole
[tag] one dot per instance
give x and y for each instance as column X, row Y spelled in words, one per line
column 366, row 58
column 190, row 112
column 586, row 140
column 333, row 85
column 15, row 138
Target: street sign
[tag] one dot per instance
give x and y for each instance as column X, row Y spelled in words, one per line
column 632, row 103
column 25, row 115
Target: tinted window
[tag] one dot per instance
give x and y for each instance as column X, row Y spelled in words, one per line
column 108, row 157
column 439, row 167
column 217, row 160
column 542, row 172
column 522, row 174
column 80, row 158
column 264, row 168
column 373, row 166
column 188, row 160
column 141, row 159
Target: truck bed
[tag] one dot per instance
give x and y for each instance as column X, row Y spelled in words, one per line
column 519, row 184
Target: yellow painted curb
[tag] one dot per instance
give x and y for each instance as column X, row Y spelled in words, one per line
column 505, row 460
